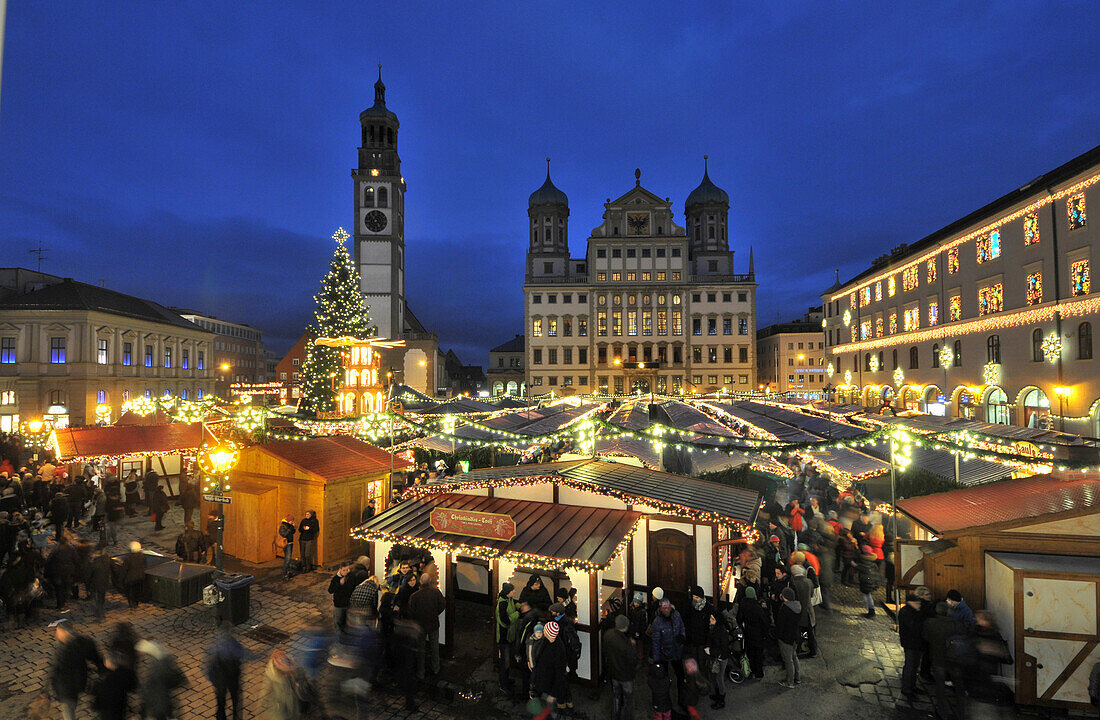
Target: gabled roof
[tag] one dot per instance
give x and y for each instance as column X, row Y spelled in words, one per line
column 1007, row 502
column 337, row 457
column 72, row 295
column 516, row 344
column 118, row 441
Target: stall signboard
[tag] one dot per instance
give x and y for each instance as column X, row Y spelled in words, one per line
column 490, row 526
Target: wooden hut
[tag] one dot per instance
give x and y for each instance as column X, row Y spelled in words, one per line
column 1027, row 550
column 333, row 476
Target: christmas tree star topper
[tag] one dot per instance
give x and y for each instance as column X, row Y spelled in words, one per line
column 340, row 235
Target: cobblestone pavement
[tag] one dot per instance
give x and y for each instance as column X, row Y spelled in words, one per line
column 856, row 676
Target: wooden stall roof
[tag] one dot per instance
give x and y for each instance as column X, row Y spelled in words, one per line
column 633, row 483
column 333, row 458
column 120, row 440
column 563, row 532
column 1001, row 503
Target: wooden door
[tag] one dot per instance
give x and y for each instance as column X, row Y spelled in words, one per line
column 672, row 565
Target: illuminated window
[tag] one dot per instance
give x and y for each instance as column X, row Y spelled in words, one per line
column 662, row 322
column 645, row 276
column 932, row 271
column 1075, row 208
column 601, row 323
column 631, row 277
column 676, row 276
column 647, row 322
column 891, row 286
column 910, row 278
column 989, row 247
column 632, row 322
column 616, row 323
column 677, row 323
column 933, row 313
column 954, row 308
column 616, row 277
column 865, row 330
column 1034, row 289
column 990, row 299
column 1079, row 277
column 865, row 296
column 853, row 329
column 852, row 301
column 601, row 300
column 912, row 319
column 57, row 350
column 878, row 291
column 661, row 276
column 552, row 328
column 536, row 328
column 878, row 327
column 893, row 323
column 1031, row 229
column 952, row 261
column 601, row 277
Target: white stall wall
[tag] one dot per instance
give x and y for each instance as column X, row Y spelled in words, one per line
column 640, row 549
column 1000, row 599
column 570, row 496
column 584, row 665
column 443, row 589
column 704, row 565
column 381, row 550
column 539, row 492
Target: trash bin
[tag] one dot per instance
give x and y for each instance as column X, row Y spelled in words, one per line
column 237, row 597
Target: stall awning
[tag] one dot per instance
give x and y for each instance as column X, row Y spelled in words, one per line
column 546, row 535
column 123, row 440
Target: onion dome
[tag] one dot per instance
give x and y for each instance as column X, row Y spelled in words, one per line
column 548, row 194
column 707, row 192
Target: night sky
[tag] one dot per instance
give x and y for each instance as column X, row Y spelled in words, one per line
column 202, row 158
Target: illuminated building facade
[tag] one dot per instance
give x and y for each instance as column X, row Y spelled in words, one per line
column 990, row 318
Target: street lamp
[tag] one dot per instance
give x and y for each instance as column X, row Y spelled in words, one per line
column 217, row 461
column 1063, row 392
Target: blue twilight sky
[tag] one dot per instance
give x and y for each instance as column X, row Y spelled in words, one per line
column 199, row 153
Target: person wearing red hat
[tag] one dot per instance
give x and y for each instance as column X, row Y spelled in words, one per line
column 549, row 678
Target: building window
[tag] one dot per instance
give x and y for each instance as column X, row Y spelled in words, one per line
column 696, row 326
column 1031, row 229
column 990, row 299
column 865, row 330
column 148, row 356
column 168, row 357
column 954, row 308
column 536, row 327
column 912, row 319
column 7, row 397
column 953, row 261
column 936, row 355
column 743, row 354
column 1084, row 341
column 712, row 326
column 1034, row 289
column 601, row 253
column 632, row 322
column 616, row 323
column 536, row 299
column 57, row 350
column 551, row 328
column 100, row 396
column 202, row 364
column 185, row 359
column 957, row 355
column 7, row 351
column 742, row 326
column 989, row 247
column 676, row 275
column 893, row 323
column 891, row 286
column 1075, row 208
column 582, row 356
column 552, row 298
column 878, row 291
column 582, row 328
column 601, row 323
column 865, row 296
column 101, row 351
column 712, row 354
column 933, row 313
column 932, row 271
column 662, row 322
column 293, row 361
column 536, row 356
column 677, row 323
column 1079, row 277
column 910, row 278
column 647, row 322
column 127, row 354
column 552, row 356
column 894, row 359
column 914, row 358
column 993, row 349
column 601, row 277
column 1037, row 345
column 878, row 327
column 631, row 277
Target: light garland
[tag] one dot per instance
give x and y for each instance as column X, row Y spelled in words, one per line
column 985, row 230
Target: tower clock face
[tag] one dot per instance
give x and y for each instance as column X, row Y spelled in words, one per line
column 376, row 221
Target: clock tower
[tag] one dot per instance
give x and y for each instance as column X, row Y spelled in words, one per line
column 380, row 216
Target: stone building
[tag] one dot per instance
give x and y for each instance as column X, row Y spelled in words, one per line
column 651, row 306
column 505, row 372
column 790, row 357
column 239, row 355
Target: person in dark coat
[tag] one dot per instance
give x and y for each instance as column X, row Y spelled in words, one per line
column 697, row 624
column 75, row 493
column 342, row 585
column 937, row 631
column 59, row 513
column 111, row 692
column 755, row 622
column 162, row 677
column 308, row 530
column 62, row 569
column 910, row 627
column 549, row 676
column 69, row 670
column 536, row 594
column 149, row 484
column 867, row 570
column 405, row 593
column 786, row 635
column 406, row 642
column 122, row 645
column 620, row 662
column 133, row 574
column 158, row 507
column 223, row 669
column 190, row 499
column 99, row 578
column 717, row 658
column 424, row 607
column 807, row 621
column 130, row 485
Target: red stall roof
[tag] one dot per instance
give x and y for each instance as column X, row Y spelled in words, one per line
column 1004, row 502
column 121, row 440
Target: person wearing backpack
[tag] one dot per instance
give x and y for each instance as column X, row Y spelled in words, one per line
column 505, row 634
column 285, row 541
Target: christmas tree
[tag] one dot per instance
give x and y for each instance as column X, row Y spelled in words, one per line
column 340, row 313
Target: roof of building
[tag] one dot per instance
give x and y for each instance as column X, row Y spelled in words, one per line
column 1057, row 175
column 548, row 194
column 379, row 108
column 412, row 322
column 1001, row 503
column 336, row 457
column 122, row 440
column 516, row 344
column 707, row 192
column 798, row 326
column 70, row 294
column 561, row 532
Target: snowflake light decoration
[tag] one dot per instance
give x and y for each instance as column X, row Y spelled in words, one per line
column 1052, row 347
column 899, row 377
column 847, row 377
column 874, row 363
column 847, row 318
column 946, row 356
column 991, row 373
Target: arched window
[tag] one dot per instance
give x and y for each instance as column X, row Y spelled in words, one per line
column 710, row 232
column 881, row 361
column 547, row 234
column 855, row 363
column 368, row 197
column 867, row 362
column 958, row 360
column 1084, row 341
column 894, row 358
column 383, row 197
column 389, row 136
column 936, row 355
column 993, row 349
column 1037, row 345
column 914, row 358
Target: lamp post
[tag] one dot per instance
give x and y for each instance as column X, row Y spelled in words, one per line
column 1063, row 393
column 217, row 461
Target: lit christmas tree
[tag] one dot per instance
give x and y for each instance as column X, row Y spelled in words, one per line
column 340, row 313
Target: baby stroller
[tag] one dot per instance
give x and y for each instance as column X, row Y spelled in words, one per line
column 738, row 668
